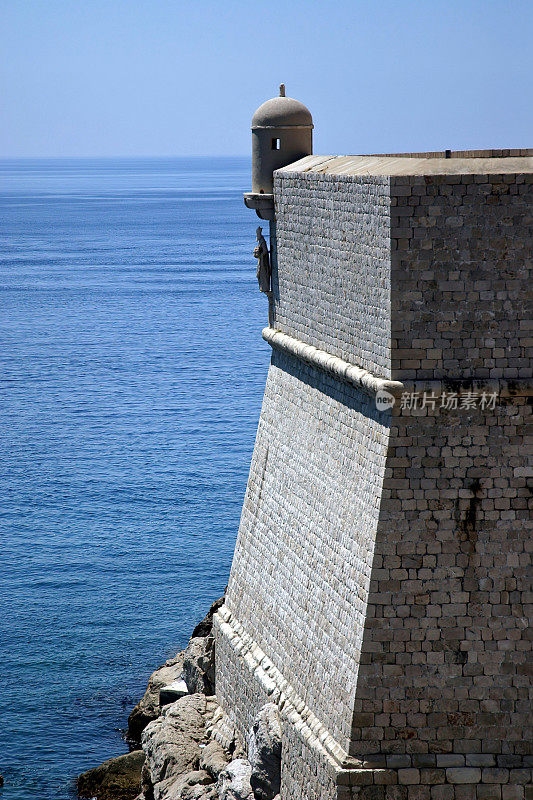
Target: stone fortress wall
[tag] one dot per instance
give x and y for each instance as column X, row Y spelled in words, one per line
column 379, row 588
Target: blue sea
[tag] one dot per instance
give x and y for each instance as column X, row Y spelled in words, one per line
column 131, row 378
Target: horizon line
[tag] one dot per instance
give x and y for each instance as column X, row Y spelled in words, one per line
column 141, row 155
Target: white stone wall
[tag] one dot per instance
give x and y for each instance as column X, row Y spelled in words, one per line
column 304, row 551
column 333, row 247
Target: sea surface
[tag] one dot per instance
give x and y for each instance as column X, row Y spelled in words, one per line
column 131, row 376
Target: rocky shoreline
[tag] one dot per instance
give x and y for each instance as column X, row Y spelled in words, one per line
column 182, row 746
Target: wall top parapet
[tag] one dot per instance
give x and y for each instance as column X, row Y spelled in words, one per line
column 428, row 164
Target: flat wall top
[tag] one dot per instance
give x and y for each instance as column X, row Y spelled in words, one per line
column 409, row 165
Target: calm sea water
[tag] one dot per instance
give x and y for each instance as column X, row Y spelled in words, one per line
column 131, row 377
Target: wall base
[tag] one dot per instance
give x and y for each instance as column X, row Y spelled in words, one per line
column 315, row 767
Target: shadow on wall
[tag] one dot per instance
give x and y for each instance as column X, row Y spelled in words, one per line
column 321, row 382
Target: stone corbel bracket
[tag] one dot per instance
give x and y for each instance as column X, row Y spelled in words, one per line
column 337, row 367
column 262, row 204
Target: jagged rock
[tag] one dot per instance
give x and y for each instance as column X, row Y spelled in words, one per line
column 209, row 793
column 213, row 726
column 149, row 707
column 116, row 779
column 224, row 732
column 183, row 787
column 167, row 678
column 172, row 741
column 205, row 627
column 203, row 793
column 172, row 692
column 199, row 793
column 264, row 753
column 147, row 786
column 234, row 781
column 214, row 759
column 199, row 665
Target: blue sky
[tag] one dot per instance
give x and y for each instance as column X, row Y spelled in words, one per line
column 171, row 77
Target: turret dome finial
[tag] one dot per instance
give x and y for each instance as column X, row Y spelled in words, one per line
column 282, row 132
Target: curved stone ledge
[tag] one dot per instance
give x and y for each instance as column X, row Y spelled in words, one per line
column 371, row 384
column 343, row 370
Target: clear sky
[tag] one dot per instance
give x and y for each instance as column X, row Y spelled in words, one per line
column 183, row 77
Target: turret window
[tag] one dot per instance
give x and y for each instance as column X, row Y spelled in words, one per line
column 276, row 144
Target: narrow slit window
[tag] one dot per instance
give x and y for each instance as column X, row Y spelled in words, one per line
column 276, row 144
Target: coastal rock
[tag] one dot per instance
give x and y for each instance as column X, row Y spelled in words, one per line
column 214, row 759
column 172, row 692
column 234, row 781
column 172, row 742
column 190, row 786
column 116, row 779
column 149, row 707
column 264, row 753
column 167, row 679
column 201, row 793
column 205, row 627
column 199, row 665
column 224, row 732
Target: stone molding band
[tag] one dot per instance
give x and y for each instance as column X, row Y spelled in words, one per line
column 340, row 369
column 371, row 384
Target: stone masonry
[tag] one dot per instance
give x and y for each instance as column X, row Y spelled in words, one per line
column 380, row 591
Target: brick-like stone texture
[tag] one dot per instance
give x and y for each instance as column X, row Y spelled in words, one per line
column 462, row 251
column 304, row 552
column 446, row 656
column 332, row 289
column 380, row 590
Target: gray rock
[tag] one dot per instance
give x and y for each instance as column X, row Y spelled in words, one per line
column 116, row 779
column 214, row 759
column 234, row 781
column 172, row 692
column 147, row 787
column 189, row 786
column 149, row 707
column 264, row 753
column 164, row 684
column 205, row 627
column 172, row 741
column 199, row 665
column 200, row 793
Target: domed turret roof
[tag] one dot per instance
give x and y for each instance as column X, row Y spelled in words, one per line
column 281, row 112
